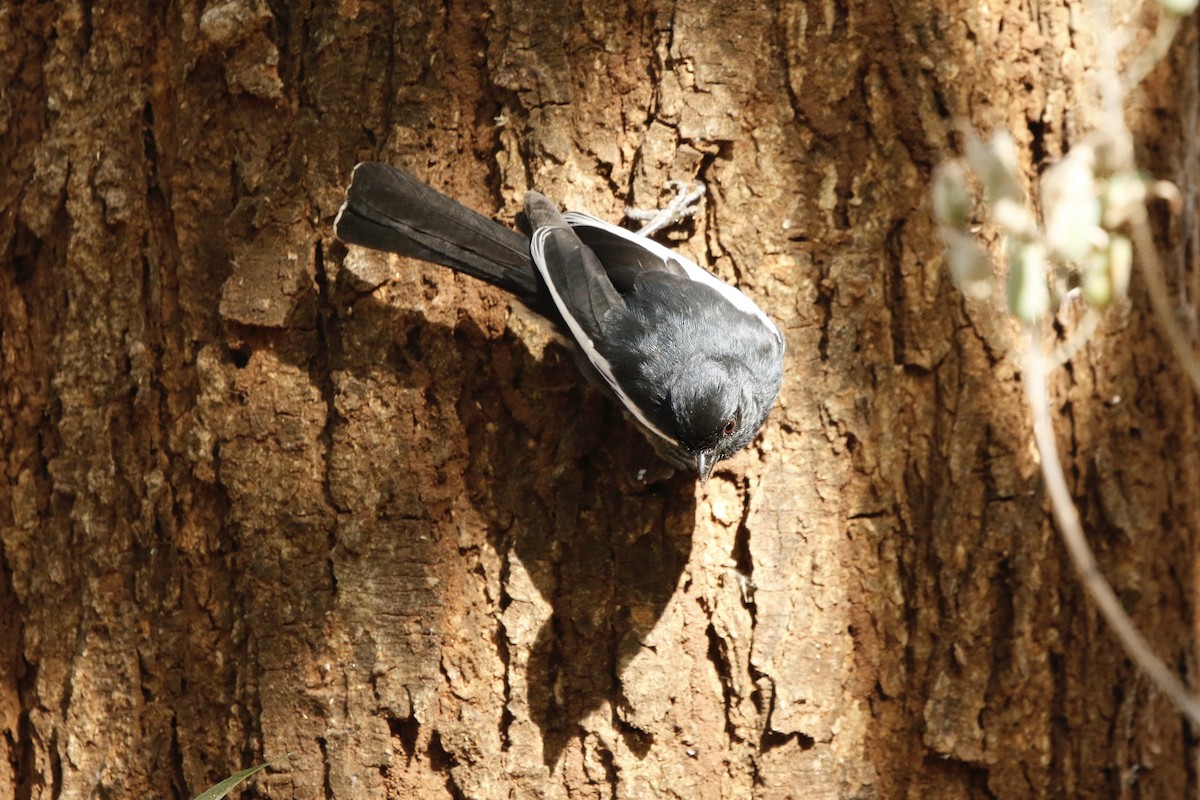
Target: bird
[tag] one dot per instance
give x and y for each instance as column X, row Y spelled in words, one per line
column 693, row 360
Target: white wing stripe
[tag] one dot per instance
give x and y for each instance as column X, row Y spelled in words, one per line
column 694, row 271
column 538, row 251
column 346, row 203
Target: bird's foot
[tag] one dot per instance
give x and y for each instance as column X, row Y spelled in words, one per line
column 685, row 203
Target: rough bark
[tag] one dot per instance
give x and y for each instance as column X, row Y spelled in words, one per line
column 262, row 496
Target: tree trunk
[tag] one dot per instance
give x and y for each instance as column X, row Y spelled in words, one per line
column 268, row 498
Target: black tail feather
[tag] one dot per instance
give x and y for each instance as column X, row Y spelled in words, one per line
column 388, row 209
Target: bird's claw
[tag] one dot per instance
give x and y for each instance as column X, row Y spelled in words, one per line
column 685, row 203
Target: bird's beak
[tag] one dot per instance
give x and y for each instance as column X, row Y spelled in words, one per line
column 704, row 466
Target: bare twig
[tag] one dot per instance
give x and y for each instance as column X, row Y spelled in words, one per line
column 1139, row 68
column 1113, row 89
column 1156, row 287
column 1071, row 529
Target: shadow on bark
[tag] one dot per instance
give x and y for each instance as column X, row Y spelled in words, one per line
column 601, row 525
column 565, row 484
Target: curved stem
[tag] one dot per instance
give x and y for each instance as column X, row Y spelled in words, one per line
column 1071, row 529
column 1156, row 286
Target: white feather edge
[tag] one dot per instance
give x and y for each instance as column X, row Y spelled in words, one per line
column 345, row 203
column 337, row 221
column 538, row 251
column 694, row 271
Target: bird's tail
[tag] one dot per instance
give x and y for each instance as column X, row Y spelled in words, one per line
column 388, row 209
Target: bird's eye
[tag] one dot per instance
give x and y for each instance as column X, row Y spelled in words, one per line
column 730, row 427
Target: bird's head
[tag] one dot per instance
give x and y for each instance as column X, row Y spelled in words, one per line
column 717, row 407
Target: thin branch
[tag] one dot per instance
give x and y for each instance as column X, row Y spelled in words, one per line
column 1145, row 61
column 1156, row 287
column 1114, row 89
column 1071, row 529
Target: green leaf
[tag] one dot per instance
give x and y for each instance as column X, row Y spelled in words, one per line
column 224, row 787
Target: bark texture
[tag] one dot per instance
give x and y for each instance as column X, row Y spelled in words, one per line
column 262, row 496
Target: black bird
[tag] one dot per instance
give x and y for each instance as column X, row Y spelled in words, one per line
column 691, row 358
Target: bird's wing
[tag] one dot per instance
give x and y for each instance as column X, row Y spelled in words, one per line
column 617, row 246
column 584, row 296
